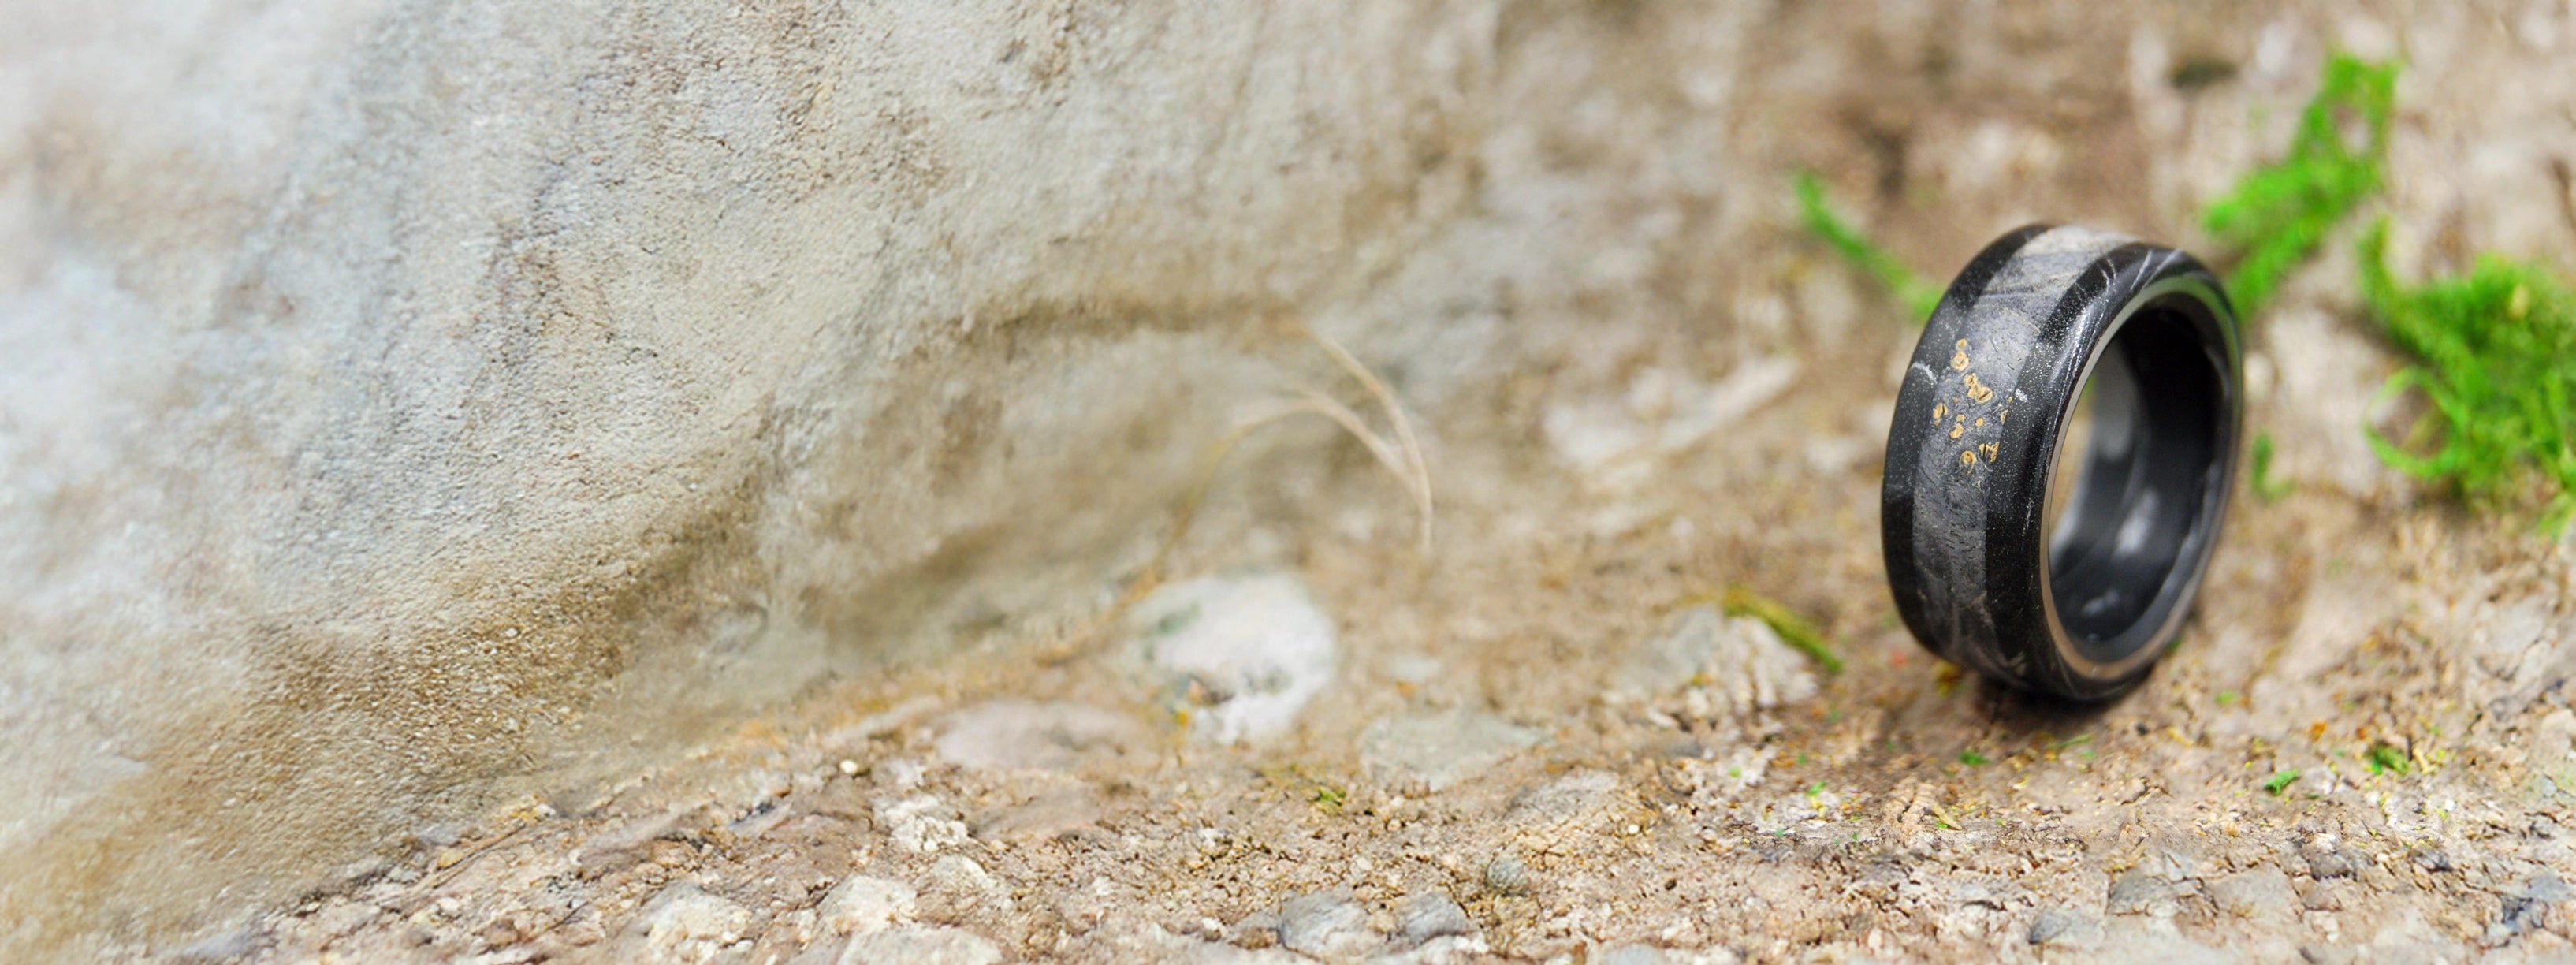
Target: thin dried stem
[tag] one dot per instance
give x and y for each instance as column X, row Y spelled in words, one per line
column 1401, row 457
column 1419, row 478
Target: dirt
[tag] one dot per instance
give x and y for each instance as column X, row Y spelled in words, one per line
column 1901, row 812
column 2360, row 751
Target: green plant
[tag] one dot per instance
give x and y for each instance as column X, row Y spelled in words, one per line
column 2388, row 759
column 1793, row 629
column 2278, row 215
column 2281, row 781
column 2259, row 477
column 2497, row 364
column 2495, row 348
column 1971, row 758
column 1918, row 296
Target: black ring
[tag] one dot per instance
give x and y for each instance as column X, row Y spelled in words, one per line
column 2080, row 605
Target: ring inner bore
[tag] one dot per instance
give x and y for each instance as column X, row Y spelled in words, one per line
column 2146, row 431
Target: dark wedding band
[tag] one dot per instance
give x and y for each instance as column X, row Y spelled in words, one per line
column 2079, row 605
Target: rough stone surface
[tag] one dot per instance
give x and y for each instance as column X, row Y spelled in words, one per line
column 464, row 471
column 862, row 904
column 1438, row 751
column 688, row 924
column 1326, row 925
column 1727, row 665
column 407, row 402
column 1018, row 734
column 1421, row 918
column 2262, row 892
column 921, row 945
column 2062, row 925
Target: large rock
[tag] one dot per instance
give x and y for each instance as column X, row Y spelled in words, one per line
column 403, row 404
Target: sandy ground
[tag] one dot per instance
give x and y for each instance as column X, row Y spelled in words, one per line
column 1535, row 743
column 1493, row 752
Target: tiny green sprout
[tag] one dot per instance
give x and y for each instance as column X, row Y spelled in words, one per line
column 2388, row 759
column 1793, row 629
column 1971, row 758
column 1816, row 789
column 2078, row 740
column 2259, row 478
column 1330, row 798
column 2281, row 781
column 1918, row 296
column 2226, row 697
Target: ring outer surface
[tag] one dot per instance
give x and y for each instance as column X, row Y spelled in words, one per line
column 1961, row 517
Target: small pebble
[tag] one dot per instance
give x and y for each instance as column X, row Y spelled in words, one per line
column 2328, row 859
column 686, row 922
column 2055, row 924
column 861, row 904
column 1241, row 655
column 1506, row 875
column 1326, row 925
column 1423, row 917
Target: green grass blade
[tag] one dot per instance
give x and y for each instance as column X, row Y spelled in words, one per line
column 1918, row 296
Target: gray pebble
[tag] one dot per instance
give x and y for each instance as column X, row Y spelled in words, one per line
column 1423, row 917
column 2330, row 864
column 2142, row 892
column 1506, row 875
column 2327, row 859
column 1326, row 925
column 2257, row 891
column 2054, row 924
column 2529, row 910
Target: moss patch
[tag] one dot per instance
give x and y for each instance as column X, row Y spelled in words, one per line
column 2496, row 361
column 2278, row 214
